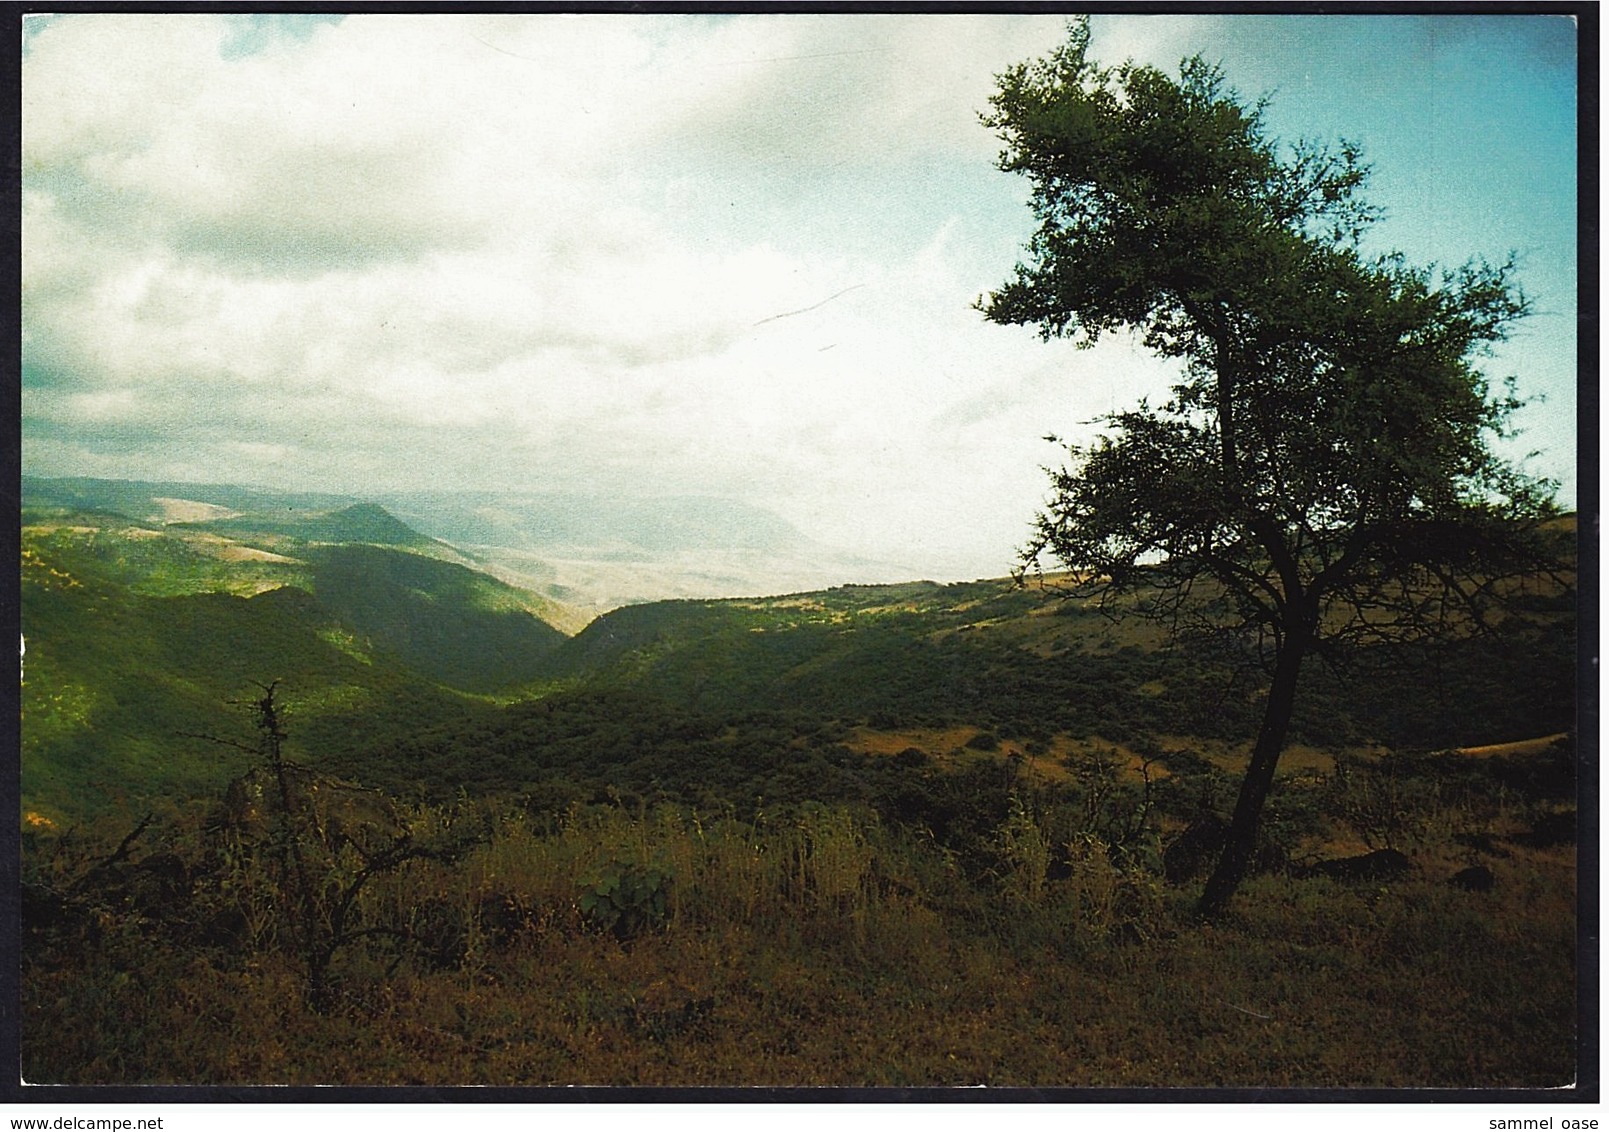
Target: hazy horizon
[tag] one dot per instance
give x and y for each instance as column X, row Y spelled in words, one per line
column 719, row 256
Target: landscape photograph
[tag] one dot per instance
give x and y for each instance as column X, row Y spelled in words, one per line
column 882, row 552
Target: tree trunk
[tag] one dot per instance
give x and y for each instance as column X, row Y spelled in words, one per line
column 1242, row 838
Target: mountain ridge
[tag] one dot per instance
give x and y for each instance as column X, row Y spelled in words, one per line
column 586, row 553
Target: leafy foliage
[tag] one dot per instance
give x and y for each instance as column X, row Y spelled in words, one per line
column 626, row 899
column 825, row 947
column 444, row 621
column 1322, row 472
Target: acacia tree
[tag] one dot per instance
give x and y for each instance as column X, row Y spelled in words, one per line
column 1322, row 471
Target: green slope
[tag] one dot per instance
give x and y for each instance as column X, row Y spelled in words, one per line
column 137, row 636
column 138, row 633
column 445, row 621
column 117, row 684
column 995, row 655
column 773, row 703
column 154, row 560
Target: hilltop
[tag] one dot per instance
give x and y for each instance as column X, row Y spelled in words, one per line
column 387, row 637
column 137, row 631
column 714, row 836
column 358, row 522
column 585, row 554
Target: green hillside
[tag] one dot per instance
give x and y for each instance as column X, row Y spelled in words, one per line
column 359, row 523
column 138, row 635
column 154, row 560
column 698, row 828
column 804, row 698
column 139, row 631
column 445, row 621
column 117, row 684
column 1018, row 657
column 628, row 528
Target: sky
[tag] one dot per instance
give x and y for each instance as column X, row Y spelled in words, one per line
column 715, row 255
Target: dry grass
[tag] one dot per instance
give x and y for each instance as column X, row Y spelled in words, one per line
column 1521, row 749
column 1410, row 989
column 828, row 951
column 190, row 511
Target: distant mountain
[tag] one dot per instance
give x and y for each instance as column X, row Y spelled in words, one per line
column 374, row 575
column 586, row 553
column 357, row 523
column 155, row 501
column 226, row 509
column 568, row 524
column 600, row 552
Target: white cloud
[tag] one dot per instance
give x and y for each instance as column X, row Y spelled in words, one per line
column 713, row 254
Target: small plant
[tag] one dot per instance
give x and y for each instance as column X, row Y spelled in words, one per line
column 302, row 850
column 1024, row 851
column 1115, row 899
column 1113, row 812
column 627, row 900
column 1378, row 801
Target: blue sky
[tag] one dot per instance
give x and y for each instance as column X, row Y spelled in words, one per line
column 714, row 255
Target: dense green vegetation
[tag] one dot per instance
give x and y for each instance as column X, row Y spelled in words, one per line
column 444, row 621
column 621, row 943
column 138, row 638
column 757, row 840
column 116, row 684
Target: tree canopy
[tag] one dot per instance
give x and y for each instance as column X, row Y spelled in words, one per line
column 1323, row 468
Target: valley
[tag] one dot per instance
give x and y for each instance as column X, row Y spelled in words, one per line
column 586, row 554
column 756, row 839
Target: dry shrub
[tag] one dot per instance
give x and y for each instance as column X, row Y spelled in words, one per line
column 1024, row 850
column 826, row 949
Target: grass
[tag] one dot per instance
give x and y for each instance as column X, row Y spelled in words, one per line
column 821, row 949
column 838, row 909
column 158, row 563
column 1523, row 748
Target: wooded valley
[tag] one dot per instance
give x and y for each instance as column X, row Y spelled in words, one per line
column 300, row 808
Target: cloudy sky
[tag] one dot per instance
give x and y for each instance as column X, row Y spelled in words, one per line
column 718, row 255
